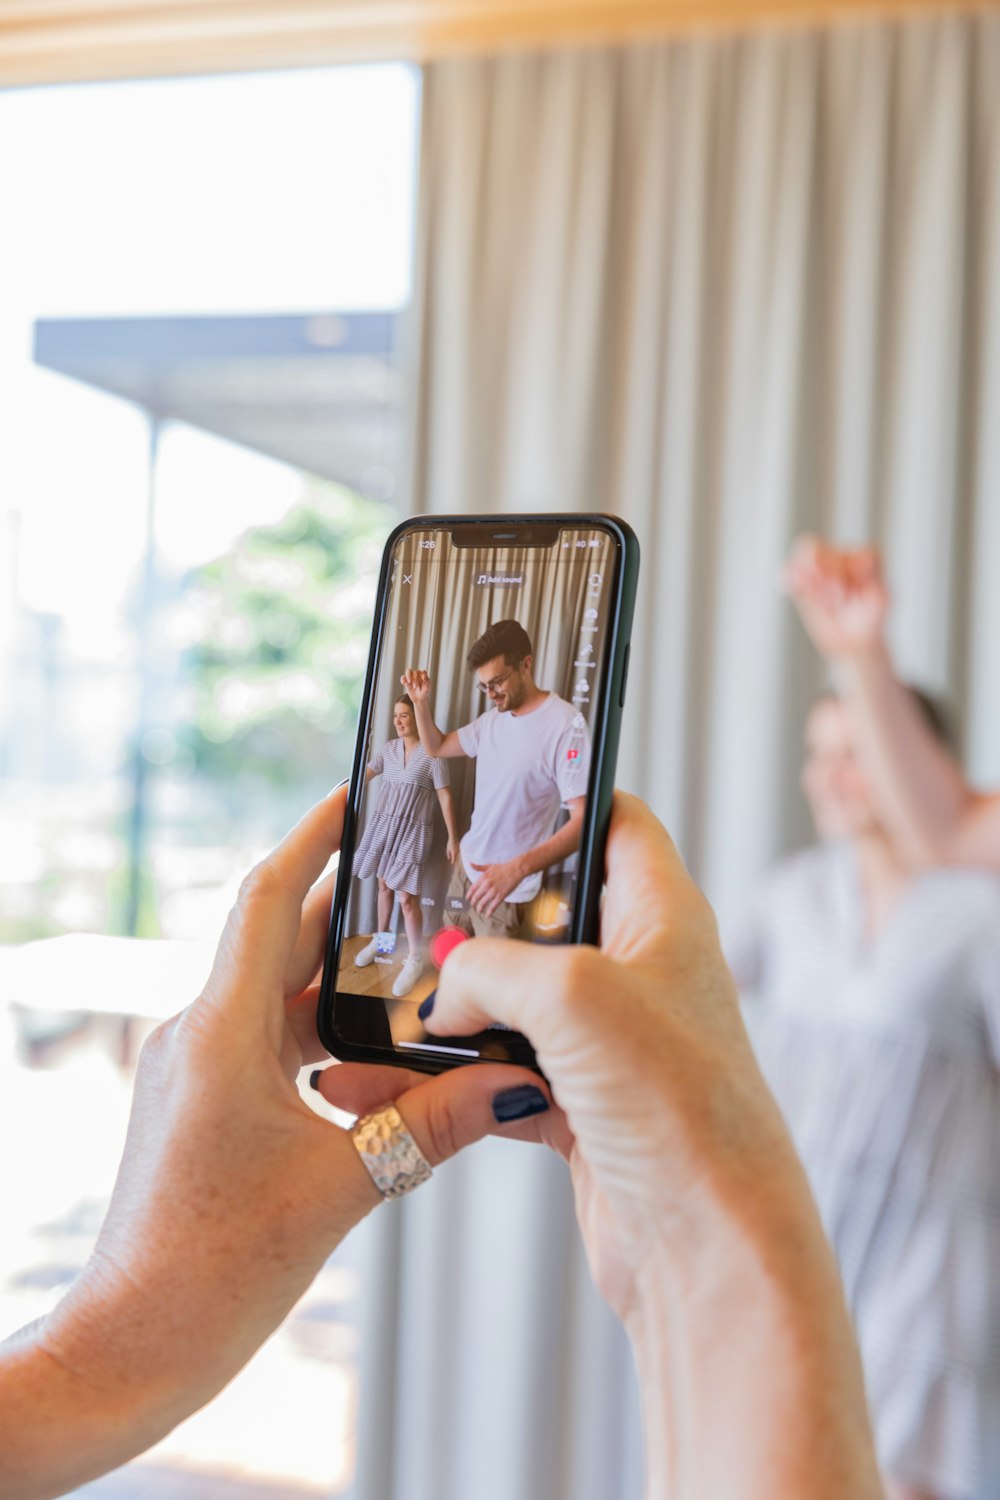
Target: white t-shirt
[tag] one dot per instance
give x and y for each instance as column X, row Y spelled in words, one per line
column 526, row 766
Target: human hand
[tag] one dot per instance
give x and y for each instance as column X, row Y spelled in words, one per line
column 232, row 1192
column 696, row 1215
column 841, row 595
column 417, row 684
column 452, row 851
column 659, row 1104
column 493, row 885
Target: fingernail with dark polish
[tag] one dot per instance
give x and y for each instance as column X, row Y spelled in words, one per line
column 518, row 1103
column 314, row 1078
column 426, row 1006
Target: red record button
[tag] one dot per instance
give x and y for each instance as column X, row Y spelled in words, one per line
column 443, row 942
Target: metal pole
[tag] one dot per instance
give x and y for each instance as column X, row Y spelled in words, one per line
column 137, row 822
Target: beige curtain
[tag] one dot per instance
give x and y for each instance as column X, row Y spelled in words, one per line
column 728, row 289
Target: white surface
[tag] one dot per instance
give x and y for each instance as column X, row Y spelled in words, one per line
column 146, row 977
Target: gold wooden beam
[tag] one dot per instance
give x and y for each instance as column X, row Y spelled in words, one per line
column 47, row 41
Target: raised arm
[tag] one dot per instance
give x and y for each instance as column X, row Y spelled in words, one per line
column 924, row 801
column 418, row 685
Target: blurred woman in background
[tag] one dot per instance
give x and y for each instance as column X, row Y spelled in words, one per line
column 873, row 1002
column 875, row 976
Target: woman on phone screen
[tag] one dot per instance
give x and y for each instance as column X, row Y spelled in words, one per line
column 397, row 840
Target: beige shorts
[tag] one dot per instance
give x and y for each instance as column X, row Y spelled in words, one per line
column 507, row 921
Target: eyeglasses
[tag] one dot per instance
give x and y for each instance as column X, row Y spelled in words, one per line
column 495, row 683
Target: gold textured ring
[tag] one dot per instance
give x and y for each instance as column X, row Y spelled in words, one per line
column 391, row 1156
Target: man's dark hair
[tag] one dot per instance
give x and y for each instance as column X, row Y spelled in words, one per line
column 933, row 711
column 935, row 715
column 504, row 638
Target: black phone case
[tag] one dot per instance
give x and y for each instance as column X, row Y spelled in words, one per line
column 604, row 756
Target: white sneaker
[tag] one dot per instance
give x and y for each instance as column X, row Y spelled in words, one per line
column 408, row 975
column 367, row 954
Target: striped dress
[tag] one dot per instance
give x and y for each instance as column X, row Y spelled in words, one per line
column 884, row 1059
column 398, row 835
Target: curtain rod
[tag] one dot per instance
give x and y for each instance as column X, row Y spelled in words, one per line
column 64, row 41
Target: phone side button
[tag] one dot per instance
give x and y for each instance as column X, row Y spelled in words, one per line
column 621, row 695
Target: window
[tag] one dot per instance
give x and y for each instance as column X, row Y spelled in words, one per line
column 201, row 404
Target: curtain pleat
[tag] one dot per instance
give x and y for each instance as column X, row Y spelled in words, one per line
column 729, row 289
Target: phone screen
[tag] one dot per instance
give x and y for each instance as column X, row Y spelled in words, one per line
column 487, row 690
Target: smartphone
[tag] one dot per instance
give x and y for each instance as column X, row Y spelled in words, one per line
column 483, row 774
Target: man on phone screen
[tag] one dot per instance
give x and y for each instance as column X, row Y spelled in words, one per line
column 532, row 754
